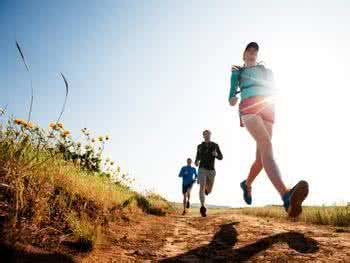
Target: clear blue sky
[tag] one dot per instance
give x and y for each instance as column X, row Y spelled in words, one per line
column 154, row 74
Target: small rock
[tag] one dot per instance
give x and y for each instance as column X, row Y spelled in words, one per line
column 341, row 230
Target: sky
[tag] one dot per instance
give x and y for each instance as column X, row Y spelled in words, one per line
column 154, row 74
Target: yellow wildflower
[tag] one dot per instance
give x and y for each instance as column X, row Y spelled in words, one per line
column 24, row 124
column 20, row 121
column 100, row 138
column 29, row 125
column 65, row 134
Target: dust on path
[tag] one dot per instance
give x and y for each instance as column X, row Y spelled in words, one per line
column 222, row 237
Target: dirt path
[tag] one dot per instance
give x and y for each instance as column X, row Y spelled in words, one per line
column 221, row 237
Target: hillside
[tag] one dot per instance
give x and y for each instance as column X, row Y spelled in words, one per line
column 60, row 195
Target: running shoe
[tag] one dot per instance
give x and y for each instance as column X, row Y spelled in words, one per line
column 203, row 211
column 293, row 199
column 247, row 196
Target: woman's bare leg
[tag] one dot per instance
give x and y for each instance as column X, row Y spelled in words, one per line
column 255, row 169
column 257, row 165
column 258, row 129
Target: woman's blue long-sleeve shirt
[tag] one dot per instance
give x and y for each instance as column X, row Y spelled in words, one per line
column 254, row 81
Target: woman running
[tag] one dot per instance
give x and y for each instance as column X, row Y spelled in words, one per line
column 254, row 82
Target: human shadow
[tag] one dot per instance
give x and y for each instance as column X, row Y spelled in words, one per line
column 220, row 248
column 11, row 255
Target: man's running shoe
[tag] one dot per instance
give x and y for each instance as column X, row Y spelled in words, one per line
column 203, row 211
column 247, row 196
column 293, row 199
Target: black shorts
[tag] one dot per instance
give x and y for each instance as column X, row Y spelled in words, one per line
column 187, row 187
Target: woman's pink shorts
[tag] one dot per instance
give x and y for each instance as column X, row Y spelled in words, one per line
column 259, row 106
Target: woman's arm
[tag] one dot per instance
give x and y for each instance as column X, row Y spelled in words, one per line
column 234, row 85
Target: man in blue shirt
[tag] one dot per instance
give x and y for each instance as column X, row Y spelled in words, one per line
column 187, row 172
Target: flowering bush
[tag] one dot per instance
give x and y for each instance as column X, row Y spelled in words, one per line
column 86, row 153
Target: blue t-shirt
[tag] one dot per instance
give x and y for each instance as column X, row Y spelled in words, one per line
column 187, row 173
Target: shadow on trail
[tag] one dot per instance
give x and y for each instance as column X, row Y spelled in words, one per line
column 221, row 246
column 9, row 255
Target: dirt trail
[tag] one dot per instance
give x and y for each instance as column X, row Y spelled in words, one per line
column 221, row 237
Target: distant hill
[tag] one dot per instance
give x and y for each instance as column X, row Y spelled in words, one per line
column 197, row 205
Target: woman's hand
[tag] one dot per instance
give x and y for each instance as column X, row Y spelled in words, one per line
column 233, row 101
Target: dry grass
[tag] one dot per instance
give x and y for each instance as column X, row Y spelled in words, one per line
column 321, row 215
column 45, row 199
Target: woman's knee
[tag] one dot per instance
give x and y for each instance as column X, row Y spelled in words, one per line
column 264, row 144
column 266, row 152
